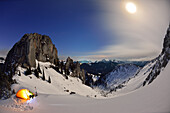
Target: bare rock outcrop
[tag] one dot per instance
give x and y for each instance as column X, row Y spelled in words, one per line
column 161, row 61
column 75, row 69
column 31, row 47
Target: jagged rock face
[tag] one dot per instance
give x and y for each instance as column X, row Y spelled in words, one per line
column 161, row 61
column 69, row 63
column 119, row 75
column 75, row 69
column 77, row 72
column 29, row 48
column 166, row 44
column 110, row 80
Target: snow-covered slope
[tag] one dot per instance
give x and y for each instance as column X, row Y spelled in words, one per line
column 153, row 98
column 137, row 81
column 54, row 97
column 119, row 75
column 152, row 70
column 143, row 77
column 59, row 84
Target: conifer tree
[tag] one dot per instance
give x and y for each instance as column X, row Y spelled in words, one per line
column 28, row 71
column 43, row 78
column 19, row 73
column 36, row 73
column 56, row 63
column 49, row 79
column 13, row 91
column 38, row 68
column 61, row 65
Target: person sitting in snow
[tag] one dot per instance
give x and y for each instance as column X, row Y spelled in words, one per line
column 36, row 94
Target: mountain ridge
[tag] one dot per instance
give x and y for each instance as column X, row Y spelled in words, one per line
column 145, row 75
column 30, row 47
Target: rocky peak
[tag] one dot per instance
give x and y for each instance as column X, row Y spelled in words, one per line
column 75, row 69
column 161, row 61
column 31, row 47
column 69, row 63
column 166, row 44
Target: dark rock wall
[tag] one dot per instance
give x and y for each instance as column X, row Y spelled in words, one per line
column 161, row 61
column 30, row 47
column 75, row 69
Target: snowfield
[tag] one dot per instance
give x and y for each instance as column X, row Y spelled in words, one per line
column 59, row 84
column 137, row 81
column 120, row 74
column 53, row 98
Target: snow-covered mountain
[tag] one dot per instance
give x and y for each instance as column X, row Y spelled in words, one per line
column 153, row 98
column 121, row 74
column 128, row 78
column 59, row 84
column 29, row 49
column 157, row 65
column 103, row 67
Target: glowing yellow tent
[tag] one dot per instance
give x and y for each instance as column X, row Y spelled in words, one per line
column 24, row 94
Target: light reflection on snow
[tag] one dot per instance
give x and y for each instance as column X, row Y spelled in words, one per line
column 31, row 100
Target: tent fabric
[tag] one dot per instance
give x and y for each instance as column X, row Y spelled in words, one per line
column 24, row 94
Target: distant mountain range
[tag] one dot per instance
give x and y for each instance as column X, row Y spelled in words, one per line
column 103, row 67
column 85, row 61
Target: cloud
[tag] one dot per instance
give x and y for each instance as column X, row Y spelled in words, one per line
column 138, row 35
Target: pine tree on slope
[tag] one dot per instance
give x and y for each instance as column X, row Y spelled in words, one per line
column 49, row 79
column 43, row 78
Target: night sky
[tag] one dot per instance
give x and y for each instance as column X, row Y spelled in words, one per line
column 87, row 29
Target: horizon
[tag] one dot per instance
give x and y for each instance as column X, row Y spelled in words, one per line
column 88, row 29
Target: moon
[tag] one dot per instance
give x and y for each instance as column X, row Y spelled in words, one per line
column 131, row 7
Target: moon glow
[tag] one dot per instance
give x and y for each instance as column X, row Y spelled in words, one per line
column 131, row 7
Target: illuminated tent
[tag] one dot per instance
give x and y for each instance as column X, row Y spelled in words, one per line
column 24, row 94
